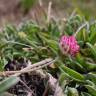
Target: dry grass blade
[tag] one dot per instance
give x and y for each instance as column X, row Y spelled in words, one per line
column 80, row 28
column 49, row 12
column 30, row 68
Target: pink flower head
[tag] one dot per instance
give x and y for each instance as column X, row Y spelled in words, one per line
column 68, row 44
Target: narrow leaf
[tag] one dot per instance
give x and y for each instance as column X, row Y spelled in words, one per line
column 8, row 82
column 73, row 74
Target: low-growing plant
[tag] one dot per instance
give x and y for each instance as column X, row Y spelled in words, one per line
column 75, row 68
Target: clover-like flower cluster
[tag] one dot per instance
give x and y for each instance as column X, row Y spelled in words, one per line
column 68, row 44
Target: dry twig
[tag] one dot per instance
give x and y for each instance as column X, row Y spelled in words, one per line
column 30, row 68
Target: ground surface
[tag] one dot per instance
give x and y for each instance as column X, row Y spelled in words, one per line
column 10, row 10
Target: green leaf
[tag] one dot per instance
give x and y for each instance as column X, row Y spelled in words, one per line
column 85, row 35
column 82, row 35
column 8, row 82
column 72, row 92
column 92, row 38
column 53, row 30
column 91, row 90
column 76, row 65
column 53, row 44
column 80, row 59
column 90, row 83
column 92, row 49
column 7, row 94
column 92, row 77
column 90, row 66
column 71, row 73
column 62, row 78
column 85, row 94
column 87, row 65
